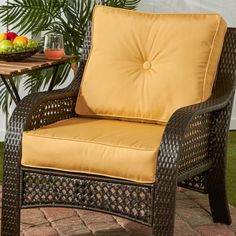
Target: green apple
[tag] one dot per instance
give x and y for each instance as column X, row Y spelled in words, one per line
column 5, row 45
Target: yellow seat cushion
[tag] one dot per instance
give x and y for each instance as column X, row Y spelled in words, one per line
column 118, row 149
column 143, row 66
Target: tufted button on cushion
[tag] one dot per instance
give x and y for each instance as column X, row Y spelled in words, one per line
column 143, row 67
column 147, row 65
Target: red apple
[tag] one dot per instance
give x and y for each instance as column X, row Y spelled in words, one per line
column 11, row 35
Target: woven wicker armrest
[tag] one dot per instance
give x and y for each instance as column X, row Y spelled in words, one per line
column 35, row 111
column 194, row 142
column 43, row 108
column 185, row 142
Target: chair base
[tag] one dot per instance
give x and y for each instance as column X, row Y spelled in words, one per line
column 46, row 188
column 55, row 188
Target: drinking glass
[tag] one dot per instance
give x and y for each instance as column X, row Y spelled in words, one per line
column 54, row 46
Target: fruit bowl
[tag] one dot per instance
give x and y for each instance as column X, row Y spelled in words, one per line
column 18, row 56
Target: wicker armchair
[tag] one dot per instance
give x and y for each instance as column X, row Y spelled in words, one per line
column 203, row 127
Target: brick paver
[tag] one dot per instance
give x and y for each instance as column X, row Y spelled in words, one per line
column 214, row 230
column 192, row 219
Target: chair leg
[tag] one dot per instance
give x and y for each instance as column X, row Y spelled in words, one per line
column 168, row 229
column 217, row 174
column 218, row 196
column 10, row 225
column 165, row 225
column 10, row 222
column 164, row 212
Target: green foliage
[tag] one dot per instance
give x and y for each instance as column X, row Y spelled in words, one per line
column 231, row 171
column 1, row 162
column 131, row 5
column 68, row 17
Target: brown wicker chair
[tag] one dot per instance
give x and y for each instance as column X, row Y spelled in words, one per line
column 203, row 125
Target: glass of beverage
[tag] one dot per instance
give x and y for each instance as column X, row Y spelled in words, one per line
column 54, row 46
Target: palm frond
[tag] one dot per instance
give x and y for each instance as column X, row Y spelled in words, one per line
column 3, row 97
column 30, row 15
column 62, row 74
column 38, row 80
column 126, row 4
column 76, row 14
column 33, row 81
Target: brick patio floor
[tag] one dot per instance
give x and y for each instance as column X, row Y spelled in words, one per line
column 192, row 219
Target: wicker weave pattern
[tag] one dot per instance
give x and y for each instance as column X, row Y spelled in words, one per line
column 197, row 183
column 124, row 199
column 217, row 174
column 183, row 152
column 225, row 82
column 87, row 42
column 192, row 153
column 227, row 64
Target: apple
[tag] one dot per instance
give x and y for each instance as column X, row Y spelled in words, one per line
column 5, row 45
column 11, row 36
column 3, row 36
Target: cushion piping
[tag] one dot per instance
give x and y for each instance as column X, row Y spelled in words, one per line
column 94, row 173
column 85, row 141
column 210, row 55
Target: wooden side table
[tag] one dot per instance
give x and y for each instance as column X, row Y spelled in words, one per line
column 37, row 62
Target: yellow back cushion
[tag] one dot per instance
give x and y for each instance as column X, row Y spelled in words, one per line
column 145, row 66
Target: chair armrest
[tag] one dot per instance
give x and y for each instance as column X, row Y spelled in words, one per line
column 40, row 109
column 193, row 142
column 189, row 131
column 35, row 111
column 43, row 108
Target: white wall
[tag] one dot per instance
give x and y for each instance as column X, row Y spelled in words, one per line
column 227, row 8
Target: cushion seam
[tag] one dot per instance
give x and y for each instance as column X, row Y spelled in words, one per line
column 88, row 59
column 84, row 141
column 87, row 172
column 210, row 55
column 116, row 117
